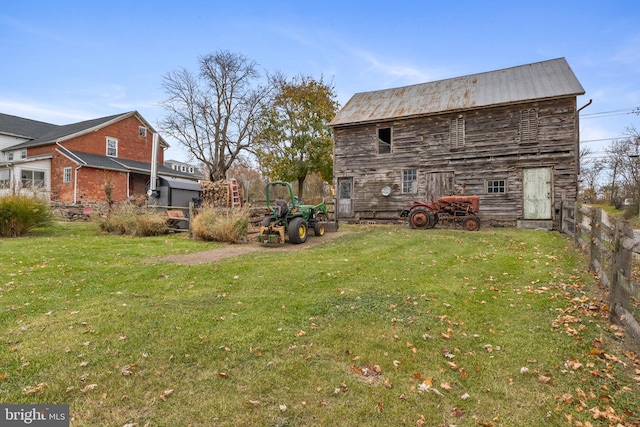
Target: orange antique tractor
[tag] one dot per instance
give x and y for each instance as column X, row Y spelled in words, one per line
column 447, row 210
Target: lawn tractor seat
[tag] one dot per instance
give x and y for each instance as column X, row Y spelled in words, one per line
column 281, row 208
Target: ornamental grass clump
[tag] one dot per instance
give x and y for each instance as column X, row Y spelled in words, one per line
column 20, row 213
column 129, row 219
column 221, row 226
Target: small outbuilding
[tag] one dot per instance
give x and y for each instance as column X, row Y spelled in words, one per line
column 509, row 136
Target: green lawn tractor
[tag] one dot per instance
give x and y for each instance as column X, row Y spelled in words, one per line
column 287, row 218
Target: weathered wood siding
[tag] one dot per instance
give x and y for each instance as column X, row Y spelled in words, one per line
column 492, row 151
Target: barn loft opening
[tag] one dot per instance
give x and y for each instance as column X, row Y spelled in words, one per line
column 384, row 140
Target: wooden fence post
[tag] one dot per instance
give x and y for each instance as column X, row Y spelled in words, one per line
column 620, row 269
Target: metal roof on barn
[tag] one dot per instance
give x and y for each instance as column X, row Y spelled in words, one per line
column 541, row 80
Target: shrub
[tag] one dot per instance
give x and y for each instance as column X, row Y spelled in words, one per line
column 150, row 224
column 131, row 220
column 20, row 213
column 221, row 226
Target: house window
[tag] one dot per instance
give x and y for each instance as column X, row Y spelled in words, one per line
column 384, row 140
column 142, row 131
column 409, row 181
column 31, row 178
column 112, row 147
column 67, row 174
column 183, row 168
column 496, row 186
column 191, row 169
column 529, row 125
column 5, row 178
column 10, row 156
column 456, row 133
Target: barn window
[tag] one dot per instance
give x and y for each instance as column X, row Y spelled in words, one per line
column 529, row 125
column 409, row 181
column 496, row 186
column 456, row 133
column 67, row 174
column 384, row 140
column 112, row 147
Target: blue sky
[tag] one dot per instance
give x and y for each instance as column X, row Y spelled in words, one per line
column 67, row 61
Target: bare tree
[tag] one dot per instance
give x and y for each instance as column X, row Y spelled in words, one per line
column 622, row 163
column 590, row 171
column 213, row 114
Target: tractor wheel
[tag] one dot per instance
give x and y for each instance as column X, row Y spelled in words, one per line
column 421, row 218
column 297, row 230
column 471, row 224
column 318, row 227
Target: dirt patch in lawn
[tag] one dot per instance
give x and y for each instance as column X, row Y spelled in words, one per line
column 228, row 251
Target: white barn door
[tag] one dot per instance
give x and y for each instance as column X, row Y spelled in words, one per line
column 537, row 193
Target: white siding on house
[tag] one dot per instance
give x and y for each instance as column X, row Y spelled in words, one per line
column 7, row 141
column 42, row 165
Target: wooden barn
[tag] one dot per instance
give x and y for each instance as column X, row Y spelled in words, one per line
column 508, row 136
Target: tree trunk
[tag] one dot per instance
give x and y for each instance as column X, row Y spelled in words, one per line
column 301, row 186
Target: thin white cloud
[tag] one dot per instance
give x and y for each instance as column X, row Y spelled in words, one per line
column 41, row 112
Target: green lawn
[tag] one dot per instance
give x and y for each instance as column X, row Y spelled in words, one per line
column 384, row 326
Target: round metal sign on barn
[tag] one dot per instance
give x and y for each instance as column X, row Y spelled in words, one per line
column 386, row 191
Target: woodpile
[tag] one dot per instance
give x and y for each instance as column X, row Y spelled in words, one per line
column 216, row 194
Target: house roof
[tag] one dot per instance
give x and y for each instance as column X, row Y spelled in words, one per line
column 121, row 165
column 21, row 127
column 40, row 133
column 541, row 80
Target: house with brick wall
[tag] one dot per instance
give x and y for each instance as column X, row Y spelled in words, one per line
column 73, row 163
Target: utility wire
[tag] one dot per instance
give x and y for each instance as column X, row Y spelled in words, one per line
column 623, row 111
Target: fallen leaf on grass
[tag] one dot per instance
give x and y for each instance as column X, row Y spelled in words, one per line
column 544, row 379
column 34, row 389
column 253, row 402
column 127, row 370
column 88, row 388
column 165, row 394
column 457, row 412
